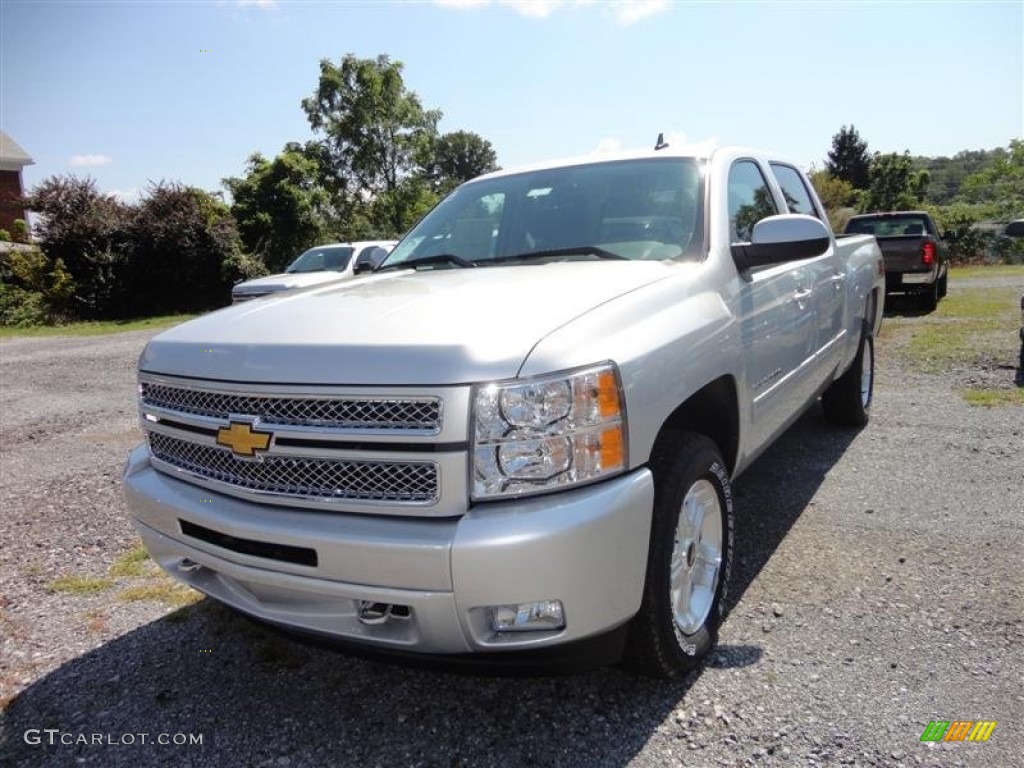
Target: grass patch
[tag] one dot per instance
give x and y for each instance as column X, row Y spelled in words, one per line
column 170, row 594
column 131, row 563
column 96, row 328
column 994, row 270
column 993, row 398
column 973, row 327
column 80, row 585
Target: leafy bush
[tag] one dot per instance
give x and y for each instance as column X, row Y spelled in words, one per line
column 87, row 231
column 5, row 236
column 180, row 238
column 20, row 231
column 20, row 308
column 36, row 289
column 242, row 266
column 176, row 250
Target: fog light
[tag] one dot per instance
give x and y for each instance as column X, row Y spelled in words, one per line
column 528, row 617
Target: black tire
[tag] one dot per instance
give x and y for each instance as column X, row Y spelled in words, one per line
column 929, row 297
column 684, row 464
column 847, row 401
column 943, row 285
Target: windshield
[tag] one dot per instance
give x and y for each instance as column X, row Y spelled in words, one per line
column 629, row 209
column 321, row 259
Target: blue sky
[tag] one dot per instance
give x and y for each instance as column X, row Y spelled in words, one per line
column 132, row 92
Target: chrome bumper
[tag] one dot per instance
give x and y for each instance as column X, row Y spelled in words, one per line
column 586, row 547
column 918, row 278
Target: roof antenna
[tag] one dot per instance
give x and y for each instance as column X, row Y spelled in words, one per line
column 661, row 143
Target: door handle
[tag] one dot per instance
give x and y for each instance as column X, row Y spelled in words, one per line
column 837, row 280
column 800, row 297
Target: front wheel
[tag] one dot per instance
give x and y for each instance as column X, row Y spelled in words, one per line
column 847, row 401
column 689, row 560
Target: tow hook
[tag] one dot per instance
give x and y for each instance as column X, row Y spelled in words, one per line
column 374, row 613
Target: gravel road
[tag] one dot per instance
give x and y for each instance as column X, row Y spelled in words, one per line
column 879, row 586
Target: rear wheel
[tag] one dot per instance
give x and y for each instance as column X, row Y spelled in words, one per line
column 930, row 297
column 943, row 285
column 689, row 560
column 847, row 401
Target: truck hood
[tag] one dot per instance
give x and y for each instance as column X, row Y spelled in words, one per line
column 286, row 280
column 434, row 327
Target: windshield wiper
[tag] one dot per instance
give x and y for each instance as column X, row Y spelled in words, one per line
column 577, row 250
column 437, row 258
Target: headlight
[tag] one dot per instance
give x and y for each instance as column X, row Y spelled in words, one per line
column 548, row 432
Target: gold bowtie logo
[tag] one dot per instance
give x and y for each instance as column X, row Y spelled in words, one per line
column 242, row 439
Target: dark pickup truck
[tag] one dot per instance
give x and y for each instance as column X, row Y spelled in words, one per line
column 914, row 252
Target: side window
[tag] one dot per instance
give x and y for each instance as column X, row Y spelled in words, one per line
column 798, row 198
column 750, row 199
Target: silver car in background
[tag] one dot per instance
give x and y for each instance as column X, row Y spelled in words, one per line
column 322, row 264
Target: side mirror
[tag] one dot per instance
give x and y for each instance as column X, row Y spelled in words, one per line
column 778, row 239
column 369, row 259
column 1015, row 228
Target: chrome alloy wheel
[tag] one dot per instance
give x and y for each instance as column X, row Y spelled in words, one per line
column 696, row 557
column 867, row 374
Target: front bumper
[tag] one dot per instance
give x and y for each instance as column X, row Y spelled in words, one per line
column 586, row 547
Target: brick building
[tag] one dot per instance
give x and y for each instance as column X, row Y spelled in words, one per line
column 12, row 159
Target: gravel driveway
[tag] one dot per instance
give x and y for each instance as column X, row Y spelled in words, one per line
column 879, row 586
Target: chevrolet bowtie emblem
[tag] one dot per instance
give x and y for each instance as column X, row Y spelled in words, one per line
column 242, row 439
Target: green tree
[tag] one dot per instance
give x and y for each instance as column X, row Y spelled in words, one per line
column 1000, row 182
column 279, row 205
column 181, row 238
column 87, row 231
column 894, row 184
column 848, row 159
column 457, row 157
column 375, row 136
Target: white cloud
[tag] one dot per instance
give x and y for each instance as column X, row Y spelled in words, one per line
column 628, row 12
column 624, row 12
column 537, row 9
column 90, row 160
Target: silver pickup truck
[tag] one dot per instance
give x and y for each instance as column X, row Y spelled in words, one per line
column 515, row 437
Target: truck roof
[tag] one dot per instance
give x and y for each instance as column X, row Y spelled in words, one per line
column 704, row 150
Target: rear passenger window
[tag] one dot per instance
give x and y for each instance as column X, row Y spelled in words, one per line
column 750, row 199
column 798, row 199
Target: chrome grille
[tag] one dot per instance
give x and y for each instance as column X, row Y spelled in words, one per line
column 423, row 414
column 303, row 478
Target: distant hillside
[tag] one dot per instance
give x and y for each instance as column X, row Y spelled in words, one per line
column 949, row 173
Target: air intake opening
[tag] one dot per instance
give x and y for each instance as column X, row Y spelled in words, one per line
column 283, row 552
